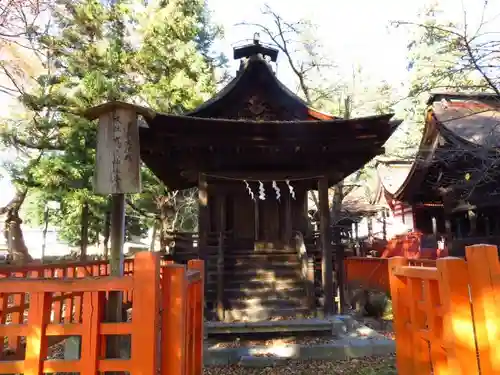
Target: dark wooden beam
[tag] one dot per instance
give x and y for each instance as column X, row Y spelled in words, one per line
column 326, row 245
column 221, row 311
column 288, row 217
column 262, row 175
column 338, row 144
column 192, row 125
column 203, row 214
column 256, row 215
column 117, row 234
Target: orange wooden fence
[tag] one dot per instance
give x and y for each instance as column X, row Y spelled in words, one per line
column 64, row 270
column 447, row 317
column 166, row 326
column 373, row 273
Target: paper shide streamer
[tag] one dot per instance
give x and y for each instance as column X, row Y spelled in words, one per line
column 290, row 188
column 277, row 190
column 262, row 192
column 250, row 192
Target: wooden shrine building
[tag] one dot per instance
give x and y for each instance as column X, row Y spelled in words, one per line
column 254, row 151
column 451, row 190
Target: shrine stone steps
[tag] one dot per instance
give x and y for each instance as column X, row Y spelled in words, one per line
column 263, row 251
column 263, row 265
column 261, row 314
column 262, row 284
column 275, row 303
column 269, row 274
column 260, row 257
column 259, row 284
column 264, row 293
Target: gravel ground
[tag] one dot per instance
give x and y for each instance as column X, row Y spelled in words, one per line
column 365, row 366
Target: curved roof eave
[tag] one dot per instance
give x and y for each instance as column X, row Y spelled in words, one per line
column 425, row 152
column 241, row 73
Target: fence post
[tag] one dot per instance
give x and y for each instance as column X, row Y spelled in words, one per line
column 199, row 265
column 91, row 340
column 145, row 313
column 36, row 340
column 404, row 354
column 458, row 324
column 173, row 326
column 484, row 276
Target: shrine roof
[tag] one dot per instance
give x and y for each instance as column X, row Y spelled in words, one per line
column 454, row 121
column 357, row 203
column 474, row 120
column 393, row 173
column 184, row 124
column 256, row 93
column 173, row 146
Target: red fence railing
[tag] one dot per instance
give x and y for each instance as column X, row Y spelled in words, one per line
column 447, row 317
column 373, row 273
column 167, row 308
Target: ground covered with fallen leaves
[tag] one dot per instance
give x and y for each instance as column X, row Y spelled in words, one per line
column 360, row 366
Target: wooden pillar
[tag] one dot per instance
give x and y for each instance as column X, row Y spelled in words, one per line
column 257, row 219
column 369, row 223
column 434, row 227
column 459, row 227
column 288, row 218
column 117, row 234
column 447, row 227
column 326, row 259
column 473, row 222
column 220, row 257
column 202, row 212
column 222, row 198
column 447, row 207
column 339, row 284
column 356, row 239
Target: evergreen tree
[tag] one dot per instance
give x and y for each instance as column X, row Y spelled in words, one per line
column 158, row 54
column 177, row 73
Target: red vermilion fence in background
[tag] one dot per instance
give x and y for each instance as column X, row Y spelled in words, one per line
column 373, row 273
column 447, row 317
column 166, row 328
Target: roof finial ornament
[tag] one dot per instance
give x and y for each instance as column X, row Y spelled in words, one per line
column 256, row 38
column 254, row 49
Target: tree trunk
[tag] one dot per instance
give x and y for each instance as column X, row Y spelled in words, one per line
column 166, row 210
column 336, row 216
column 15, row 239
column 12, row 231
column 84, row 240
column 153, row 236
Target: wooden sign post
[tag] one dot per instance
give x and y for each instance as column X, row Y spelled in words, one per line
column 117, row 172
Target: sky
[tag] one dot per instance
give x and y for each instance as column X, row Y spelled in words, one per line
column 354, row 33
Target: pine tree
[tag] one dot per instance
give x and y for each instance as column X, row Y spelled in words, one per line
column 102, row 52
